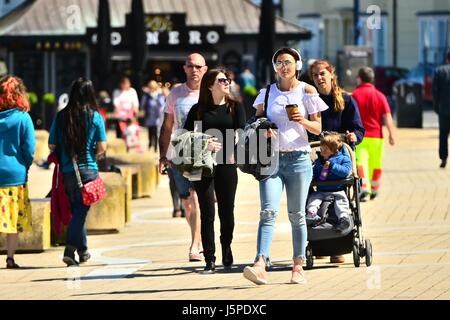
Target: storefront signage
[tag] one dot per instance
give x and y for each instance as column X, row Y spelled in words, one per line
column 166, row 30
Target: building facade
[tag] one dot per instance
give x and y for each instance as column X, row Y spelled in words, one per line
column 404, row 33
column 51, row 42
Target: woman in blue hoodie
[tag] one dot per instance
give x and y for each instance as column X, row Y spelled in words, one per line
column 17, row 143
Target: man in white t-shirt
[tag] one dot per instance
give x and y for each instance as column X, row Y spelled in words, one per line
column 178, row 103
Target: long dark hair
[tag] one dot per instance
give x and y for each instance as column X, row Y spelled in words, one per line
column 206, row 100
column 77, row 116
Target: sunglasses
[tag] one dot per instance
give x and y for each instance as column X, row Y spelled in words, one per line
column 285, row 63
column 224, row 81
column 192, row 66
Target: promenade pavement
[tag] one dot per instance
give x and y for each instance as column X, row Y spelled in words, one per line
column 408, row 225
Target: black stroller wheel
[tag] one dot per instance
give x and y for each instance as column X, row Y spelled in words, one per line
column 309, row 258
column 368, row 253
column 356, row 258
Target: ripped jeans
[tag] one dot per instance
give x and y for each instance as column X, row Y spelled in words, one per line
column 294, row 172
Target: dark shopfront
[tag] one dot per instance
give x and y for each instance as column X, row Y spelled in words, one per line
column 48, row 64
column 49, row 56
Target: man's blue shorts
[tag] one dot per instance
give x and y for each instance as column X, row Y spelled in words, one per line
column 182, row 184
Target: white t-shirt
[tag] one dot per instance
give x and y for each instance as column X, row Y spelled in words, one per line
column 292, row 136
column 179, row 102
column 125, row 103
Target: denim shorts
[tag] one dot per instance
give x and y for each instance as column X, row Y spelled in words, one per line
column 182, row 184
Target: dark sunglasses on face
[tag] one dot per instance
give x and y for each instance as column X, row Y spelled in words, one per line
column 224, row 81
column 192, row 66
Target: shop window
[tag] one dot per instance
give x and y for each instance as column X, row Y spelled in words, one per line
column 29, row 67
column 375, row 37
column 312, row 48
column 433, row 37
column 69, row 66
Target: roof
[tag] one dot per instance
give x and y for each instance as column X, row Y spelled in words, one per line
column 59, row 17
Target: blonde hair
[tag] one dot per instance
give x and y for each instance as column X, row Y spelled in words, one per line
column 332, row 141
column 336, row 91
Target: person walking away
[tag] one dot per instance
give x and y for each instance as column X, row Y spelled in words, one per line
column 441, row 104
column 178, row 103
column 375, row 112
column 217, row 110
column 17, row 146
column 78, row 134
column 294, row 163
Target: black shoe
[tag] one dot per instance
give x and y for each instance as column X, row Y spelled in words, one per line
column 227, row 257
column 443, row 163
column 11, row 264
column 69, row 257
column 84, row 257
column 183, row 213
column 373, row 195
column 344, row 224
column 209, row 268
column 363, row 196
column 176, row 213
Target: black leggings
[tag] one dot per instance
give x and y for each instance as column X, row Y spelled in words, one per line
column 224, row 184
column 444, row 130
column 153, row 138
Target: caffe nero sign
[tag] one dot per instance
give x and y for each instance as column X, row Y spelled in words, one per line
column 166, row 30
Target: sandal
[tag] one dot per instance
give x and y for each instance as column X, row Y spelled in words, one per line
column 11, row 264
column 193, row 257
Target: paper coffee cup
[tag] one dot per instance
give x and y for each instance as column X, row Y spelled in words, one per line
column 290, row 110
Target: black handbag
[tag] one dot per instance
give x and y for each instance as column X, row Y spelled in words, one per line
column 252, row 162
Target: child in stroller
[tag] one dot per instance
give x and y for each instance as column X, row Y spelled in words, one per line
column 327, row 234
column 332, row 164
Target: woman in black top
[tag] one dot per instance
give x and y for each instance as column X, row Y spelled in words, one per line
column 218, row 115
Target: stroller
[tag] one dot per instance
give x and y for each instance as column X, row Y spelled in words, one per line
column 324, row 239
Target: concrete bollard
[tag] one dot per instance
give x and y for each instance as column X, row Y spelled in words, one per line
column 129, row 173
column 109, row 214
column 38, row 240
column 147, row 176
column 41, row 152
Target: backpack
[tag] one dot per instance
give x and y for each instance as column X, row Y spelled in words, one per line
column 251, row 162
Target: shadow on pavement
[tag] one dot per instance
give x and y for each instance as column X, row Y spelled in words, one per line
column 166, row 290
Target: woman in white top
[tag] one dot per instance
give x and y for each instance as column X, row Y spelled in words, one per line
column 126, row 104
column 294, row 164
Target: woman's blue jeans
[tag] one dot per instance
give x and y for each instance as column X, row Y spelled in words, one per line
column 76, row 231
column 294, row 172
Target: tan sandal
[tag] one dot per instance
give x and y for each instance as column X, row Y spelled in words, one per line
column 194, row 257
